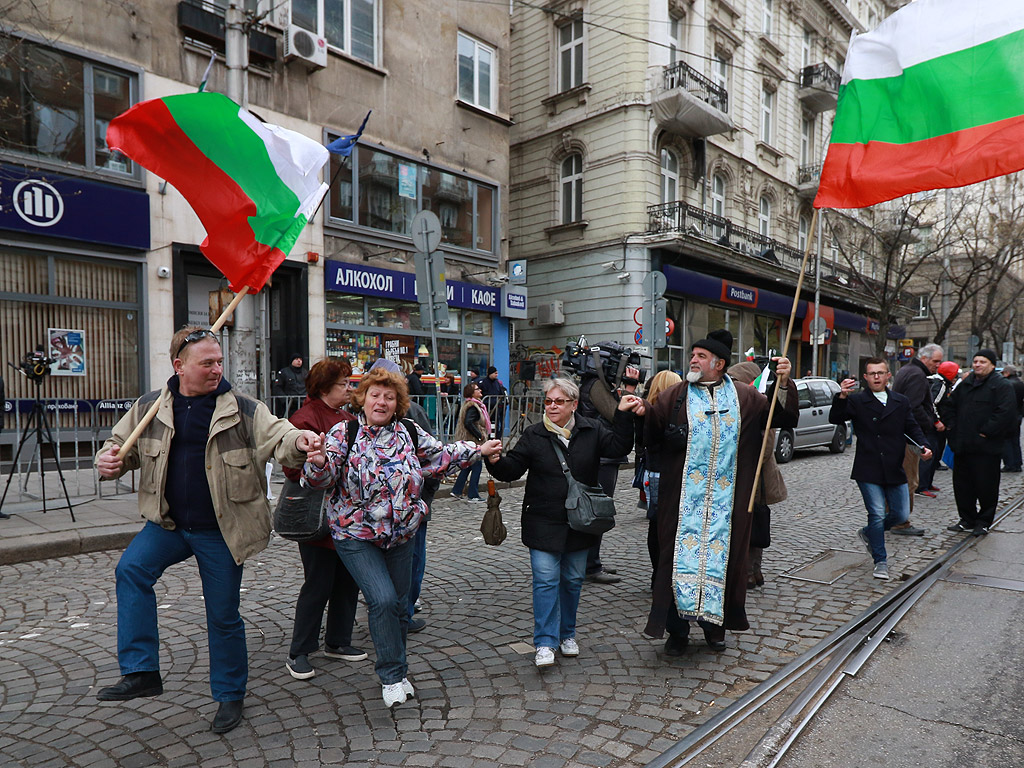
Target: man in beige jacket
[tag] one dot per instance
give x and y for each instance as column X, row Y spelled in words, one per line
column 202, row 492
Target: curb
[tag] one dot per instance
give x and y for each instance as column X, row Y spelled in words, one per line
column 44, row 546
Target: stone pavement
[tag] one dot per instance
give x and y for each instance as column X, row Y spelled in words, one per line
column 479, row 699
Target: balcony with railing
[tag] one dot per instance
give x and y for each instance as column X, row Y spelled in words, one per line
column 680, row 218
column 690, row 104
column 819, row 87
column 808, row 177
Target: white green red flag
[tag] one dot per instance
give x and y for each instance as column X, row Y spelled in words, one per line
column 930, row 99
column 253, row 185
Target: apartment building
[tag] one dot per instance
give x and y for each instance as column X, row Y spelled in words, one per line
column 684, row 137
column 99, row 254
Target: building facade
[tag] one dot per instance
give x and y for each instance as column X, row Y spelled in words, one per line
column 684, row 137
column 98, row 255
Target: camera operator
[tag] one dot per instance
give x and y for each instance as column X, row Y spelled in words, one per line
column 608, row 473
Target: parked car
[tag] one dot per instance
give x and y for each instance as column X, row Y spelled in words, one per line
column 813, row 429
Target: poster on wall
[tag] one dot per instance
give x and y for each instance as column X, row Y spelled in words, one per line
column 67, row 350
column 399, row 350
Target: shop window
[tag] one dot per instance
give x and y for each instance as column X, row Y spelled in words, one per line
column 360, row 349
column 478, row 73
column 58, row 107
column 477, row 323
column 345, row 310
column 348, row 25
column 386, row 313
column 478, row 358
column 730, row 320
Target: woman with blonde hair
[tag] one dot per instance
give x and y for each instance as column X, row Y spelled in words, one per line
column 652, row 457
column 374, row 468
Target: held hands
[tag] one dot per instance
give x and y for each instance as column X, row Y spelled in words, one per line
column 847, row 387
column 491, row 450
column 315, row 453
column 632, row 403
column 109, row 464
column 307, row 440
column 783, row 369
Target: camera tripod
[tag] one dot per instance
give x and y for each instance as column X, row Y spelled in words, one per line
column 37, row 424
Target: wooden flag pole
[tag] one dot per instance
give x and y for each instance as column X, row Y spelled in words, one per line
column 151, row 413
column 785, row 349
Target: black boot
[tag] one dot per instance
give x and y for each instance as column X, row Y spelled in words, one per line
column 715, row 637
column 133, row 686
column 229, row 714
column 676, row 645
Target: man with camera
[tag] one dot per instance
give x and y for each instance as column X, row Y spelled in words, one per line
column 202, row 492
column 709, row 433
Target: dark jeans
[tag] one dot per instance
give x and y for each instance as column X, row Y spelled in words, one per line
column 383, row 576
column 607, row 474
column 419, row 564
column 1011, row 451
column 326, row 583
column 150, row 553
column 976, row 487
column 473, row 487
column 926, row 475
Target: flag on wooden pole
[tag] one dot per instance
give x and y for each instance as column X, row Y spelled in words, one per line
column 930, row 99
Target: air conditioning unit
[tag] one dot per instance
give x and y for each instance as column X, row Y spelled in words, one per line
column 551, row 313
column 308, row 48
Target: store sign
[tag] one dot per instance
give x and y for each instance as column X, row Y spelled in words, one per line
column 55, row 205
column 342, row 277
column 513, row 302
column 742, row 295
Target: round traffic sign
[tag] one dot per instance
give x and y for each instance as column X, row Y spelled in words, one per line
column 637, row 312
column 670, row 326
column 638, row 337
column 426, row 231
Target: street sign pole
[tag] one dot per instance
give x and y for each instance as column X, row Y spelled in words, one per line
column 431, row 290
column 653, row 313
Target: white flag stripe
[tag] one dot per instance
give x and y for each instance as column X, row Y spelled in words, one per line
column 927, row 29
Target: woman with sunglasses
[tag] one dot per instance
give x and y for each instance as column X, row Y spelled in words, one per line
column 558, row 554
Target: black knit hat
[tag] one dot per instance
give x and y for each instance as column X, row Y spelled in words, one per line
column 718, row 343
column 989, row 353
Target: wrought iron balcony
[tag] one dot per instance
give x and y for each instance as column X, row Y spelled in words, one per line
column 819, row 87
column 807, row 179
column 690, row 104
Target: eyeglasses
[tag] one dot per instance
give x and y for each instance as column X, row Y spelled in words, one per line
column 556, row 401
column 877, row 373
column 194, row 336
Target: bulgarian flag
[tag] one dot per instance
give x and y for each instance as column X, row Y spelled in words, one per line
column 252, row 184
column 932, row 98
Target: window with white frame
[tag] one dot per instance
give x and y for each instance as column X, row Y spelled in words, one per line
column 806, row 48
column 720, row 71
column 675, row 43
column 807, row 140
column 572, row 188
column 764, row 216
column 669, row 176
column 767, row 115
column 803, row 230
column 348, row 25
column 767, row 13
column 478, row 73
column 570, row 55
column 922, row 305
column 718, row 195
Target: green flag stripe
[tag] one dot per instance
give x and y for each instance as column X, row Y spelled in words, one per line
column 972, row 87
column 215, row 128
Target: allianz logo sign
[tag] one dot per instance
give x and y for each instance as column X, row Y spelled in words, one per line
column 38, row 203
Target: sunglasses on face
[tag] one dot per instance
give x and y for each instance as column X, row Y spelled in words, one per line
column 194, row 336
column 556, row 401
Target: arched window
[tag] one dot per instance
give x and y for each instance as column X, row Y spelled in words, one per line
column 669, row 176
column 805, row 228
column 572, row 189
column 764, row 216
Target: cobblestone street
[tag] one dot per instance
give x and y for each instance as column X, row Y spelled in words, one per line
column 479, row 699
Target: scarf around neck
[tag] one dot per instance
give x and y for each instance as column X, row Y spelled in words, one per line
column 563, row 433
column 483, row 411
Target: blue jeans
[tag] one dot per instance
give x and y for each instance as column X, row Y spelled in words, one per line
column 473, row 473
column 419, row 565
column 557, row 579
column 879, row 520
column 150, row 553
column 384, row 576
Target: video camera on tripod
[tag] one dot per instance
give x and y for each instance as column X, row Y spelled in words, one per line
column 35, row 365
column 603, row 368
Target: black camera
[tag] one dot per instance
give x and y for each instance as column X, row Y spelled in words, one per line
column 36, row 365
column 610, row 361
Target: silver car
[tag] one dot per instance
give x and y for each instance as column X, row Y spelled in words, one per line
column 813, row 429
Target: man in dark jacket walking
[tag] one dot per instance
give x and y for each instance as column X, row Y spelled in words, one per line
column 1011, row 447
column 290, row 383
column 415, row 382
column 494, row 393
column 911, row 381
column 978, row 415
column 883, row 421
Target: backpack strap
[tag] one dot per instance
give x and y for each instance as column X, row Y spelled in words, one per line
column 678, row 405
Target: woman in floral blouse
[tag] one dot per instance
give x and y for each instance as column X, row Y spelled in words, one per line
column 375, row 507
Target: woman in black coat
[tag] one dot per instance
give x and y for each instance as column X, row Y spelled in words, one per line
column 558, row 554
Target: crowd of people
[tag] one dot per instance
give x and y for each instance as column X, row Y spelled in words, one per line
column 367, row 453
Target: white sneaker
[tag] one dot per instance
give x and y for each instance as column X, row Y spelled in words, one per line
column 393, row 694
column 407, row 687
column 569, row 647
column 545, row 657
column 881, row 570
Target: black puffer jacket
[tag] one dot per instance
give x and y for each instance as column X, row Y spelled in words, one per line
column 979, row 407
column 545, row 523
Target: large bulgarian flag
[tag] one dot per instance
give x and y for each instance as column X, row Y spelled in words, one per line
column 932, row 98
column 252, row 184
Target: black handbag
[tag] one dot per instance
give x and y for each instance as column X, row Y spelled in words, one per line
column 301, row 513
column 639, row 473
column 588, row 508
